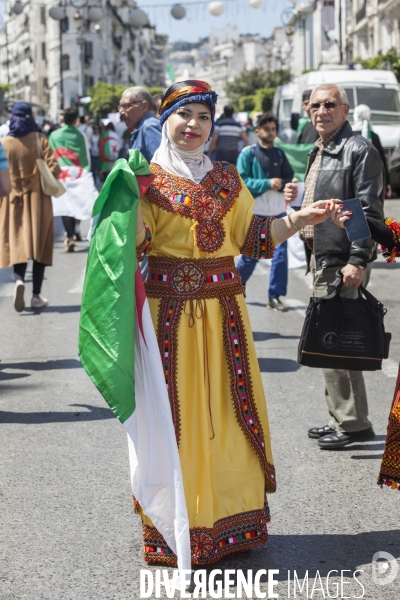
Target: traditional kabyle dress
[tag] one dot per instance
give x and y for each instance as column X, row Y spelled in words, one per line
column 193, row 231
column 387, row 234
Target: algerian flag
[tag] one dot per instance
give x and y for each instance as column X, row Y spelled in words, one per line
column 171, row 73
column 69, row 147
column 119, row 351
column 366, row 129
column 297, row 155
column 71, row 152
column 108, row 150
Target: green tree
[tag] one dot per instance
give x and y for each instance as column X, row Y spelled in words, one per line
column 155, row 89
column 264, row 99
column 5, row 88
column 105, row 98
column 248, row 82
column 390, row 61
column 246, row 103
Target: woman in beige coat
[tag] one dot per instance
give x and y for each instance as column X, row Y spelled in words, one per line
column 26, row 214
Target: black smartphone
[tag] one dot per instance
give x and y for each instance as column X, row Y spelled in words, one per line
column 357, row 226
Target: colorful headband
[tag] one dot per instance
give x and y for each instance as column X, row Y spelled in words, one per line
column 185, row 92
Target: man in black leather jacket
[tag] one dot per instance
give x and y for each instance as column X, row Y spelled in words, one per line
column 342, row 165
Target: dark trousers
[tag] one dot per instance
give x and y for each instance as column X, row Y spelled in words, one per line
column 229, row 156
column 69, row 225
column 94, row 161
column 37, row 274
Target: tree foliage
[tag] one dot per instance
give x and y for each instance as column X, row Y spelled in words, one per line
column 6, row 89
column 105, row 98
column 264, row 99
column 390, row 61
column 155, row 89
column 249, row 82
column 246, row 103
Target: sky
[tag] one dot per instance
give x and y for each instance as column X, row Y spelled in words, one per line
column 199, row 22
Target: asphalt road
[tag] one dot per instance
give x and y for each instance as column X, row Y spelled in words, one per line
column 68, row 531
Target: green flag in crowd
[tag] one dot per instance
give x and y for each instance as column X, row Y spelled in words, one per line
column 297, row 155
column 108, row 150
column 69, row 147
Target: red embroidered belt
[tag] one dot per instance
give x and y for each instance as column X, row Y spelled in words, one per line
column 193, row 278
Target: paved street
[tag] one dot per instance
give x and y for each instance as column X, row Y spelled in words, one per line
column 68, row 528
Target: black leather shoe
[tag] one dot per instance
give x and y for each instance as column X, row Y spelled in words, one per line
column 338, row 439
column 276, row 304
column 318, row 432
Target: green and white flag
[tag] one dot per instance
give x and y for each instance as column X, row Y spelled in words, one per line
column 119, row 351
column 108, row 149
column 71, row 152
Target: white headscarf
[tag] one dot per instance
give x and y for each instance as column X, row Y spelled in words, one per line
column 362, row 120
column 192, row 164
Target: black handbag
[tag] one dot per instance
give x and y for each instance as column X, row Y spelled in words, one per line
column 341, row 333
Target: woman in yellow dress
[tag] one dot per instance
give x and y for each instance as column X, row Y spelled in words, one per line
column 195, row 217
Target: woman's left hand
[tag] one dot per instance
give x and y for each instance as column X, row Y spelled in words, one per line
column 337, row 215
column 318, row 212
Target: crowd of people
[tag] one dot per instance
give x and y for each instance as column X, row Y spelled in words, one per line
column 196, row 215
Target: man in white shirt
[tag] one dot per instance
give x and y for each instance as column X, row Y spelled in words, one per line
column 87, row 130
column 266, row 170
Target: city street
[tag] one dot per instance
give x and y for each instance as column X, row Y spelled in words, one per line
column 68, row 527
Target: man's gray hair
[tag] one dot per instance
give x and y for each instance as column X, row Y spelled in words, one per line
column 329, row 86
column 138, row 92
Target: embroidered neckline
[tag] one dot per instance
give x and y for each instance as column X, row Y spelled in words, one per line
column 206, row 203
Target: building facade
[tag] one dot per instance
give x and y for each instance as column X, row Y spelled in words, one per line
column 373, row 28
column 316, row 39
column 52, row 63
column 225, row 54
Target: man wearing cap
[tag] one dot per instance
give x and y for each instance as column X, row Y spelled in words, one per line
column 306, row 132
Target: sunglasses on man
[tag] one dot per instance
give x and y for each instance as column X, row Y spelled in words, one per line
column 126, row 105
column 327, row 105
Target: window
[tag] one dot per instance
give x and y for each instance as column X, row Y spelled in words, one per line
column 43, row 50
column 65, row 62
column 350, row 96
column 45, row 83
column 287, row 108
column 88, row 52
column 43, row 15
column 64, row 24
column 381, row 99
column 89, row 81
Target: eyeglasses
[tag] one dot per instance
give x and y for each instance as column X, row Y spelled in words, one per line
column 327, row 105
column 126, row 105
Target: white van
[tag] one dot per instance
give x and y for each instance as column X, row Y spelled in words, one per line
column 378, row 89
column 282, row 108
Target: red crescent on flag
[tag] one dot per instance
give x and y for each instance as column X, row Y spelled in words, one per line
column 103, row 157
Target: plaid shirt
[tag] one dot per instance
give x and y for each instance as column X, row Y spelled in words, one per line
column 307, row 233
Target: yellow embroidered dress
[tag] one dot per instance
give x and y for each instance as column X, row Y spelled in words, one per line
column 210, row 364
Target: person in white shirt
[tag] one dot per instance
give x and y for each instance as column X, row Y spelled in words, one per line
column 266, row 170
column 87, row 130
